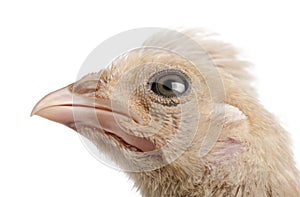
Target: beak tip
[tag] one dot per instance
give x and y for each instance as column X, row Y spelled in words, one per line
column 54, row 98
column 33, row 112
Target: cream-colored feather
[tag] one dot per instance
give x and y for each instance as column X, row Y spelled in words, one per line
column 248, row 153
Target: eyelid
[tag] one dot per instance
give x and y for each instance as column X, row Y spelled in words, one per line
column 175, row 71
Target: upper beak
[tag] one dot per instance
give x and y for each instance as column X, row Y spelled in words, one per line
column 65, row 107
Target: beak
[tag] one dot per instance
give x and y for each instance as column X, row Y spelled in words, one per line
column 70, row 109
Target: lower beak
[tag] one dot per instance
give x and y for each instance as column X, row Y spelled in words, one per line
column 65, row 107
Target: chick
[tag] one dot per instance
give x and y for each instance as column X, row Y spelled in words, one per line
column 180, row 128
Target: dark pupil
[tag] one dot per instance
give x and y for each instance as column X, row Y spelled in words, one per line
column 169, row 85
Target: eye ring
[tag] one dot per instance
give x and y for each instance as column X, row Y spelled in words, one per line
column 169, row 83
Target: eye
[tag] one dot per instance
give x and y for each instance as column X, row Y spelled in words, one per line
column 169, row 83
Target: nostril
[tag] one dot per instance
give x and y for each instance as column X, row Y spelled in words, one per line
column 85, row 87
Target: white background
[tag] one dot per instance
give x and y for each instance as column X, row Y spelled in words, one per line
column 42, row 46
